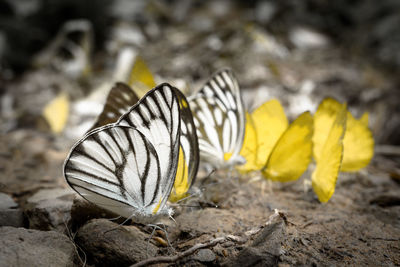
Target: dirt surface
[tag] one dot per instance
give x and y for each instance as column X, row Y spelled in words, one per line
column 360, row 225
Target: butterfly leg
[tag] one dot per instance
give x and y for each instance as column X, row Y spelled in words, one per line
column 163, row 229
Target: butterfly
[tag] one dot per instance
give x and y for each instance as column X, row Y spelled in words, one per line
column 341, row 143
column 282, row 152
column 122, row 97
column 219, row 117
column 129, row 167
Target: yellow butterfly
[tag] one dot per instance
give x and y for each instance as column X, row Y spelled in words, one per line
column 263, row 128
column 341, row 143
column 281, row 152
column 329, row 129
column 358, row 143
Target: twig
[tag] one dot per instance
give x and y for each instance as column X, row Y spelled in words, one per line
column 166, row 259
column 211, row 243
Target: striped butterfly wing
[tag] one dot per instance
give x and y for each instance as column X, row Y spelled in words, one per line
column 220, row 119
column 188, row 152
column 106, row 163
column 157, row 117
column 116, row 168
column 120, row 98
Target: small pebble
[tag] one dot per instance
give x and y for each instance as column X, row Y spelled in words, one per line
column 205, row 255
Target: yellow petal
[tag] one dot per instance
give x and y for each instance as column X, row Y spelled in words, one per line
column 56, row 113
column 292, row 153
column 328, row 166
column 141, row 79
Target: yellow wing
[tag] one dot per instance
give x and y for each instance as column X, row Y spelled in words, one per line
column 329, row 160
column 365, row 119
column 181, row 185
column 358, row 144
column 324, row 117
column 56, row 113
column 292, row 153
column 263, row 129
column 141, row 79
column 188, row 159
column 249, row 147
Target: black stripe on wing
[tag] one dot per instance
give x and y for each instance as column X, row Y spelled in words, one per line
column 120, row 98
column 208, row 126
column 188, row 138
column 116, row 168
column 223, row 110
column 157, row 117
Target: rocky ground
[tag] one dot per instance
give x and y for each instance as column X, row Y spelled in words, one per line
column 234, row 220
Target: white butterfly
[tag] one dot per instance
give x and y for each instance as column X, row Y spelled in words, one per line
column 219, row 118
column 129, row 167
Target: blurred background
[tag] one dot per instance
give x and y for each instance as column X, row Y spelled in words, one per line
column 59, row 59
column 296, row 51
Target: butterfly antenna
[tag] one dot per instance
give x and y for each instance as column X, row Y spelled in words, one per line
column 186, row 206
column 192, row 195
column 207, row 177
column 185, row 198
